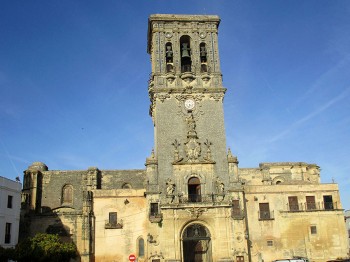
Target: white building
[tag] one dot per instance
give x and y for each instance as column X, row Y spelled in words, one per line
column 10, row 205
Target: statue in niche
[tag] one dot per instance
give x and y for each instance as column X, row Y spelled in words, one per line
column 176, row 145
column 170, row 187
column 208, row 144
column 193, row 147
column 220, row 186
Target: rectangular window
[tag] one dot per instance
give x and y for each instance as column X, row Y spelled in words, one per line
column 154, row 209
column 8, row 233
column 269, row 243
column 293, row 203
column 328, row 202
column 113, row 218
column 264, row 211
column 9, row 201
column 313, row 230
column 310, row 203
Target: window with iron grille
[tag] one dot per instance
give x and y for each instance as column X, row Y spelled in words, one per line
column 328, row 202
column 293, row 203
column 310, row 202
column 264, row 211
column 269, row 243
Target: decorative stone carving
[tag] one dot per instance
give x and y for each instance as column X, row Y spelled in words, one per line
column 155, row 255
column 217, row 97
column 220, row 186
column 176, row 145
column 170, row 187
column 162, row 97
column 192, row 146
column 152, row 240
column 196, row 212
column 207, row 143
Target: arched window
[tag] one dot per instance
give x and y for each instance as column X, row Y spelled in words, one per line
column 141, row 247
column 194, row 190
column 67, row 194
column 185, row 47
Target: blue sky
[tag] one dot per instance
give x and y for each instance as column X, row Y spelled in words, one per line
column 73, row 83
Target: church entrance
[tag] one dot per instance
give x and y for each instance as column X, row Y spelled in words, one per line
column 196, row 244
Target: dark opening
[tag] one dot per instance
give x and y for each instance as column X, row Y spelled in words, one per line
column 185, row 47
column 328, row 202
column 194, row 190
column 154, row 209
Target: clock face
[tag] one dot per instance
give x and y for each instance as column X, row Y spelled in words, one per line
column 189, row 104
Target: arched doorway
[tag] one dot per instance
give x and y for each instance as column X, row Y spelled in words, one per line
column 196, row 244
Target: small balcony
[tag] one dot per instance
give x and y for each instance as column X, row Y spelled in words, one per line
column 266, row 215
column 155, row 217
column 237, row 214
column 197, row 198
column 113, row 225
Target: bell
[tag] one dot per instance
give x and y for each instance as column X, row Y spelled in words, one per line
column 185, row 50
column 169, row 52
column 203, row 52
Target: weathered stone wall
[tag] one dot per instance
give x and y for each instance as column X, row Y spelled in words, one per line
column 290, row 230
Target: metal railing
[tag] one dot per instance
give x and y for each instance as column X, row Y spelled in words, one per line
column 195, row 198
column 312, row 206
column 266, row 215
column 113, row 224
column 155, row 217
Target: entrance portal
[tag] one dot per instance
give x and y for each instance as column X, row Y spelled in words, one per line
column 196, row 244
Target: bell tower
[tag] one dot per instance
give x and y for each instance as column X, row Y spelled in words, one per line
column 186, row 93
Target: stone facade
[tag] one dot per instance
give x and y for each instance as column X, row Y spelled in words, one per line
column 192, row 202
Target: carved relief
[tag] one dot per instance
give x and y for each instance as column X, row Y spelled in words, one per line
column 176, row 145
column 162, row 97
column 192, row 146
column 170, row 187
column 217, row 97
column 207, row 143
column 196, row 212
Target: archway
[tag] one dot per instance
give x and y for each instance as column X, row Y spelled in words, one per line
column 196, row 244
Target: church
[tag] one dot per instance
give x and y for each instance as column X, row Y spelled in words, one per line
column 192, row 202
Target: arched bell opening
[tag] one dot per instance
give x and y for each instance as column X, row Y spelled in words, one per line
column 194, row 190
column 185, row 47
column 196, row 244
column 169, row 58
column 203, row 57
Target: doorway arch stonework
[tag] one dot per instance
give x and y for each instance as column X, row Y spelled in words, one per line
column 196, row 243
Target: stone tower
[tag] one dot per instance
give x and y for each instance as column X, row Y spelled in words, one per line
column 186, row 94
column 190, row 175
